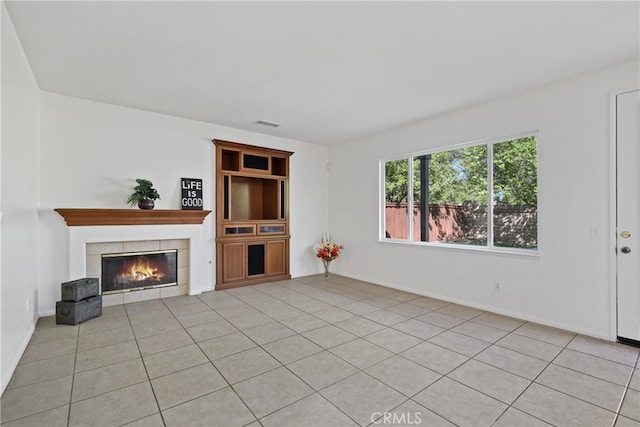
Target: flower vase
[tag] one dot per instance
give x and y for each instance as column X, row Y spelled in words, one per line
column 326, row 268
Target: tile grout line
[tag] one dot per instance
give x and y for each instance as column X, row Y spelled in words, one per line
column 624, row 393
column 209, row 361
column 321, row 290
column 231, row 386
column 358, row 370
column 293, row 373
column 145, row 366
column 533, row 381
column 410, row 317
column 73, row 376
column 394, row 354
column 386, row 326
column 509, row 405
column 551, row 388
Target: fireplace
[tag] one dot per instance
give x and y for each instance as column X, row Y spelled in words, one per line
column 87, row 243
column 122, row 272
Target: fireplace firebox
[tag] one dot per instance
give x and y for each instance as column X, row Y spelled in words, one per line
column 122, row 272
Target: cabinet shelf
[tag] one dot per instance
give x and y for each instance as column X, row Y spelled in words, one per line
column 253, row 160
column 253, row 199
column 278, row 166
column 230, row 160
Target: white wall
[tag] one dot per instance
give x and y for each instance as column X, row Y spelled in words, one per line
column 568, row 285
column 19, row 200
column 93, row 152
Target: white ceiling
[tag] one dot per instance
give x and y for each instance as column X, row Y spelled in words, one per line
column 327, row 72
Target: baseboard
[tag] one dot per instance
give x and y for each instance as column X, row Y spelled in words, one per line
column 14, row 364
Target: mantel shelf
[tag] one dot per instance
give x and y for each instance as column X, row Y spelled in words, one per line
column 96, row 217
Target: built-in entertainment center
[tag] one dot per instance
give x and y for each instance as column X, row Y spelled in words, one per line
column 252, row 214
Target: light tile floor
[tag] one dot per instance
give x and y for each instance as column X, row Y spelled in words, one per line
column 317, row 352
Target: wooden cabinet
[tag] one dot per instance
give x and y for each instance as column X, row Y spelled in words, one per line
column 278, row 256
column 233, row 262
column 252, row 214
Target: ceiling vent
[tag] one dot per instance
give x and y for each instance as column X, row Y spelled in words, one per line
column 263, row 123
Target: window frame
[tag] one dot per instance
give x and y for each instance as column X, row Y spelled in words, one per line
column 489, row 247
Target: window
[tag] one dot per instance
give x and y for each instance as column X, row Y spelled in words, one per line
column 482, row 195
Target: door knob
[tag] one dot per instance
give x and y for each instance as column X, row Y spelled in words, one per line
column 625, row 249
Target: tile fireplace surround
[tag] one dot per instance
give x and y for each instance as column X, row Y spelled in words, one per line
column 190, row 238
column 94, row 254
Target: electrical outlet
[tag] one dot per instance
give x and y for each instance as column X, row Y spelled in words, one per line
column 595, row 232
column 496, row 286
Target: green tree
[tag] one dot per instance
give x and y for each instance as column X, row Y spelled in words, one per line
column 457, row 176
column 515, row 166
column 396, row 173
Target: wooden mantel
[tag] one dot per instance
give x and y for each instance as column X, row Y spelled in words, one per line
column 89, row 217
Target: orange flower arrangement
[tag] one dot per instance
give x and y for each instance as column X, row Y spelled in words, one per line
column 327, row 251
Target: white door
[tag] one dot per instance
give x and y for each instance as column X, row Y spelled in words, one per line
column 628, row 214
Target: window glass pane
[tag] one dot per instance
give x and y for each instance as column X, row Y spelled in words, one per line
column 515, row 193
column 450, row 200
column 458, row 196
column 396, row 174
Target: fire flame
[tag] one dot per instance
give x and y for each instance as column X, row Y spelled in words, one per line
column 142, row 269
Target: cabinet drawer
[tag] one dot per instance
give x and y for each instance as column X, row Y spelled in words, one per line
column 271, row 229
column 239, row 230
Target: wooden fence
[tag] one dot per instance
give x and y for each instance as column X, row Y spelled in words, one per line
column 514, row 226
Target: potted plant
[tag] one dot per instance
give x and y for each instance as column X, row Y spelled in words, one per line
column 144, row 194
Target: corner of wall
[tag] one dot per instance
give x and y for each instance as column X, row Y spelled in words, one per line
column 19, row 201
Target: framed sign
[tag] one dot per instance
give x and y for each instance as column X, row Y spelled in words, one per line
column 191, row 194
